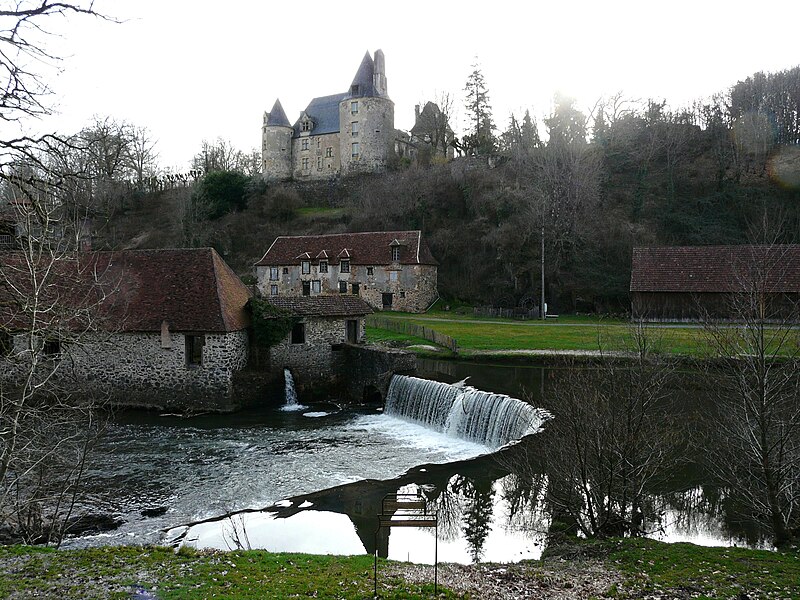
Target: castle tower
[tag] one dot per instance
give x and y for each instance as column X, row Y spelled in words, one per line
column 276, row 144
column 366, row 118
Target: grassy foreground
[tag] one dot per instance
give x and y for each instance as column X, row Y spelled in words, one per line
column 645, row 568
column 480, row 334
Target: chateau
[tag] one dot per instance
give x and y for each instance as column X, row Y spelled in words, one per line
column 342, row 133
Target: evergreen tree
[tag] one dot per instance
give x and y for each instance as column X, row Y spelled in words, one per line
column 480, row 138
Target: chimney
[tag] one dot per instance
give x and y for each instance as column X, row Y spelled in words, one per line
column 416, row 112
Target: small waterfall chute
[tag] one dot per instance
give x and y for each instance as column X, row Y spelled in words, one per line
column 462, row 411
column 290, row 403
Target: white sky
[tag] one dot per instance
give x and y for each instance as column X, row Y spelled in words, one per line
column 193, row 70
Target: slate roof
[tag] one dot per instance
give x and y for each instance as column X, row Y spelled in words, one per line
column 430, row 119
column 324, row 111
column 366, row 248
column 698, row 269
column 277, row 116
column 364, row 78
column 127, row 291
column 322, row 306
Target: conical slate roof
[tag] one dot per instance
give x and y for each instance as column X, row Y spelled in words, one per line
column 364, row 78
column 277, row 116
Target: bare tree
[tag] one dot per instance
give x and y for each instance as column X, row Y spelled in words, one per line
column 48, row 297
column 756, row 449
column 609, row 443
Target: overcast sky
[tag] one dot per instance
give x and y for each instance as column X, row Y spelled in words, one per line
column 194, row 70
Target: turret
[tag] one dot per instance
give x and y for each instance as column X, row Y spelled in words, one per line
column 276, row 144
column 366, row 118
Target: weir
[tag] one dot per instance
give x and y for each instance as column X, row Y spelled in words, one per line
column 462, row 411
column 291, row 402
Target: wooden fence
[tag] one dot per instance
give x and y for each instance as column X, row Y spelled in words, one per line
column 402, row 326
column 506, row 313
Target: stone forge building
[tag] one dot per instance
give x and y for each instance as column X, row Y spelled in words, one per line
column 391, row 270
column 343, row 133
column 692, row 282
column 327, row 322
column 169, row 328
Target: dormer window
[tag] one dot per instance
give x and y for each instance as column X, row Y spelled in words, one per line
column 305, row 267
column 273, row 273
column 306, row 125
column 323, row 266
column 354, row 89
column 344, row 266
column 395, row 253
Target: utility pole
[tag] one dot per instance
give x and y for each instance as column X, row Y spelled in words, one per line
column 541, row 306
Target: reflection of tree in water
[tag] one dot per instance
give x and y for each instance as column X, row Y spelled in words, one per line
column 449, row 504
column 477, row 516
column 525, row 499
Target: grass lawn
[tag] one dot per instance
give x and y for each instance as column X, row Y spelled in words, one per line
column 118, row 572
column 648, row 569
column 573, row 333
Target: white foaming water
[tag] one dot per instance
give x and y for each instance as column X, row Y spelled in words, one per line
column 291, row 403
column 439, row 446
column 462, row 411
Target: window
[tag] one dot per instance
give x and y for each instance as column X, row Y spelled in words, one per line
column 344, row 266
column 273, row 290
column 355, row 289
column 354, row 107
column 329, row 152
column 386, row 300
column 305, row 164
column 355, row 150
column 273, row 273
column 315, row 287
column 51, row 347
column 354, row 128
column 354, row 90
column 304, row 144
column 285, row 270
column 305, row 267
column 370, row 271
column 323, row 266
column 392, row 275
column 342, row 287
column 299, row 333
column 194, row 350
column 306, row 125
column 395, row 253
column 6, row 343
column 319, row 163
column 306, row 288
column 402, row 294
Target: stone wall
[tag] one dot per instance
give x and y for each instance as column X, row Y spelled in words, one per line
column 138, row 371
column 375, row 134
column 413, row 288
column 370, row 369
column 314, row 360
column 276, row 152
column 320, row 165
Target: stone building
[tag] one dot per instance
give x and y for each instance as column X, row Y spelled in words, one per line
column 431, row 133
column 327, row 322
column 391, row 270
column 344, row 133
column 160, row 328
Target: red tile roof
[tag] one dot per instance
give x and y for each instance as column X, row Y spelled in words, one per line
column 191, row 289
column 322, row 306
column 714, row 268
column 367, row 248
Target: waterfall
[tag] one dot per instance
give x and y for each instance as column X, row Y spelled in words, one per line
column 462, row 411
column 291, row 402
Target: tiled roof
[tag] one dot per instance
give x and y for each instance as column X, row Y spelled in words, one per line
column 714, row 268
column 324, row 111
column 367, row 248
column 277, row 116
column 322, row 306
column 191, row 289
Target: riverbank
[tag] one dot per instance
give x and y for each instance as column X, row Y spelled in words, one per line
column 614, row 569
